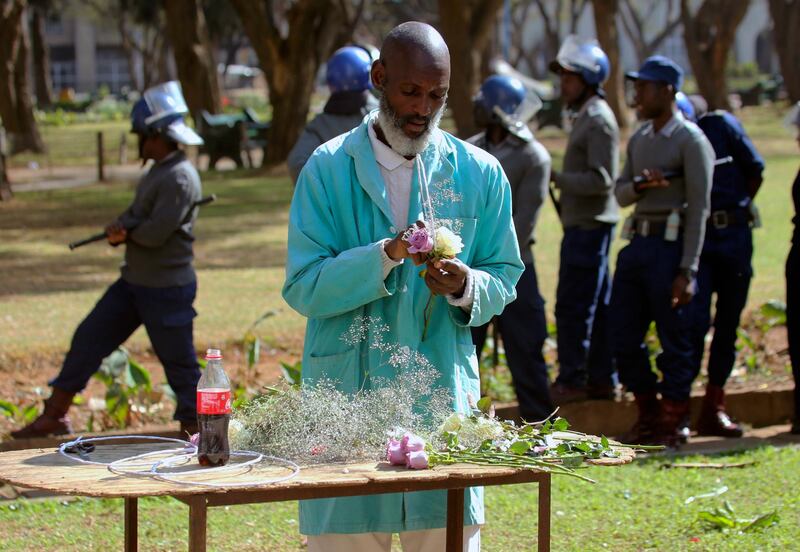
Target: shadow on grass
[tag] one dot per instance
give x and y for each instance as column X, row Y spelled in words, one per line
column 244, row 228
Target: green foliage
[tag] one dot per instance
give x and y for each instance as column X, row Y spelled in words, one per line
column 126, row 382
column 252, row 342
column 724, row 519
column 293, row 373
column 105, row 109
column 20, row 414
column 750, row 343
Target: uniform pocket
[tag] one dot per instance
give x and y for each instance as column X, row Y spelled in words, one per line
column 342, row 369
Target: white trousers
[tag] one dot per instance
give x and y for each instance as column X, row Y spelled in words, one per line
column 431, row 540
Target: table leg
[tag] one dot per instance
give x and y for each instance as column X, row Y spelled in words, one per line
column 131, row 525
column 197, row 523
column 455, row 520
column 544, row 514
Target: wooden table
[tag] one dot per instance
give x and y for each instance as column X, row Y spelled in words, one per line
column 48, row 470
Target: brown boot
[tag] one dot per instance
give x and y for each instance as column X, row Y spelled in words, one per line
column 713, row 418
column 672, row 414
column 53, row 421
column 643, row 431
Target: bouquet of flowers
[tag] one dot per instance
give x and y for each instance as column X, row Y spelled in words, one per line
column 436, row 243
column 482, row 439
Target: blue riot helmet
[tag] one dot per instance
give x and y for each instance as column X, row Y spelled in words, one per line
column 348, row 70
column 161, row 110
column 584, row 57
column 685, row 106
column 139, row 115
column 506, row 101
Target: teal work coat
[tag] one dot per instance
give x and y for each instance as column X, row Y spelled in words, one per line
column 334, row 277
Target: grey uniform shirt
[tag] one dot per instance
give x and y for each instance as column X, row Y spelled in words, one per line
column 527, row 167
column 679, row 146
column 591, row 164
column 322, row 128
column 158, row 251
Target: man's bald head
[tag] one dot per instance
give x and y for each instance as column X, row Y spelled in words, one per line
column 413, row 77
column 417, row 41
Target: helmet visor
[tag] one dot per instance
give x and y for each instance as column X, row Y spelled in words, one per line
column 576, row 54
column 164, row 100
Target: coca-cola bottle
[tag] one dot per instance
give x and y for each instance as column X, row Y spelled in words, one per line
column 213, row 412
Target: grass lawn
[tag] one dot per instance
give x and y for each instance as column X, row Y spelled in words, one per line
column 76, row 144
column 635, row 507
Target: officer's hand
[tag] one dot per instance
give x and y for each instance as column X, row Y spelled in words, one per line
column 116, row 233
column 397, row 248
column 446, row 276
column 683, row 289
column 654, row 178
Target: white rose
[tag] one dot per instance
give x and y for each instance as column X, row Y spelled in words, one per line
column 452, row 423
column 447, row 244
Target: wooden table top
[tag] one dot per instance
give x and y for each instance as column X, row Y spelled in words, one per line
column 46, row 469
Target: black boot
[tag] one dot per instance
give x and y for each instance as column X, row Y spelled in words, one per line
column 713, row 418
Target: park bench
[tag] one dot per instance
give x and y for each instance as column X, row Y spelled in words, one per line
column 764, row 89
column 228, row 135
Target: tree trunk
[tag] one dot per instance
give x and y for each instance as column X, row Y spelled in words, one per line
column 194, row 58
column 41, row 60
column 290, row 54
column 5, row 185
column 708, row 35
column 466, row 25
column 605, row 16
column 16, row 107
column 786, row 30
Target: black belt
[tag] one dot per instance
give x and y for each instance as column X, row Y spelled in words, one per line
column 645, row 228
column 723, row 219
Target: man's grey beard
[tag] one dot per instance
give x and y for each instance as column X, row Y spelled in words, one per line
column 392, row 126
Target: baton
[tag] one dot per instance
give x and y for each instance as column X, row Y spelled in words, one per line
column 672, row 174
column 102, row 235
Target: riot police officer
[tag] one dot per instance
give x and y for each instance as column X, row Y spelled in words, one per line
column 588, row 212
column 157, row 285
column 347, row 75
column 667, row 177
column 503, row 108
column 725, row 263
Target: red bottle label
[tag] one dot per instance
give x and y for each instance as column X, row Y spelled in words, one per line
column 213, row 401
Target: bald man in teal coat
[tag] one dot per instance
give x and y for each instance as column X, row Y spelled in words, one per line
column 348, row 261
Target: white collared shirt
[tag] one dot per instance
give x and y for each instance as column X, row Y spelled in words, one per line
column 397, row 173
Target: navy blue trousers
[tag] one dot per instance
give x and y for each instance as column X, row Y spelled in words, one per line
column 725, row 270
column 793, row 319
column 167, row 315
column 523, row 328
column 582, row 297
column 641, row 294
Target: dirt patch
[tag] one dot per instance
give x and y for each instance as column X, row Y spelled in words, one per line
column 24, row 377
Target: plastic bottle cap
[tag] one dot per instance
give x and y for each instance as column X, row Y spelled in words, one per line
column 213, row 354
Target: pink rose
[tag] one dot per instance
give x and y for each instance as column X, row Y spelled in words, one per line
column 420, row 241
column 195, row 439
column 395, row 454
column 412, row 443
column 417, row 460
